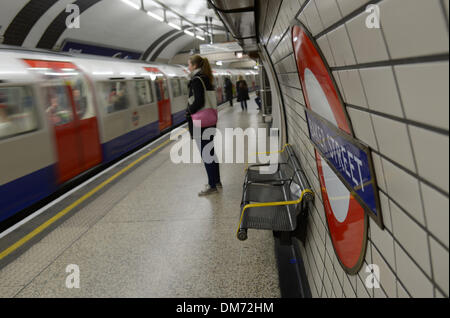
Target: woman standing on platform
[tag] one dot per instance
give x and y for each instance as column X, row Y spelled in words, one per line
column 229, row 90
column 200, row 85
column 243, row 96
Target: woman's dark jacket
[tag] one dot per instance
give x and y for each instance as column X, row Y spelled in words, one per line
column 242, row 91
column 196, row 89
column 228, row 88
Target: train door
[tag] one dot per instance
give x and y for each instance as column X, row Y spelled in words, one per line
column 164, row 107
column 68, row 104
column 86, row 120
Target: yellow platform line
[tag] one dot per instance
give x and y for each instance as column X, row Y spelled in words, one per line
column 62, row 213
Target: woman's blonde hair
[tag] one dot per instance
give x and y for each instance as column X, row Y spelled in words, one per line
column 203, row 64
column 241, row 78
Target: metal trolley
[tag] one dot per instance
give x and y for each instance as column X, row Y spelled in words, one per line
column 274, row 201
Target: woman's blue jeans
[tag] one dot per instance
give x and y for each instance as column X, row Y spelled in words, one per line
column 212, row 169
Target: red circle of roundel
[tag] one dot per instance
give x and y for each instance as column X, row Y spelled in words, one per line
column 348, row 235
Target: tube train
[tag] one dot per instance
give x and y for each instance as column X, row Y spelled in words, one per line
column 62, row 115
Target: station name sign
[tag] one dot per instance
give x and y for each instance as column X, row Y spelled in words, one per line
column 87, row 48
column 350, row 159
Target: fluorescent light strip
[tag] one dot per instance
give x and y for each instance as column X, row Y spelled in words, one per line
column 189, row 33
column 61, row 74
column 155, row 16
column 102, row 73
column 173, row 25
column 132, row 4
column 200, row 37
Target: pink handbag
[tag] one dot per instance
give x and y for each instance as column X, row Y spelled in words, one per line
column 206, row 117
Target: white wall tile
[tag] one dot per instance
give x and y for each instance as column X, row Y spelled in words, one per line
column 313, row 18
column 368, row 44
column 387, row 278
column 348, row 6
column 361, row 290
column 381, row 90
column 437, row 213
column 403, row 188
column 303, row 19
column 424, row 90
column 412, row 237
column 379, row 293
column 328, row 11
column 414, row 27
column 348, row 290
column 393, row 141
column 446, row 7
column 439, row 294
column 432, row 152
column 338, row 82
column 414, row 280
column 294, row 6
column 401, row 292
column 362, row 126
column 440, row 258
column 354, row 92
column 326, row 50
column 341, row 48
column 385, row 211
column 381, row 181
column 384, row 242
column 336, row 285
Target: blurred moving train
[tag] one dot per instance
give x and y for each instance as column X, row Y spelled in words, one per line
column 62, row 115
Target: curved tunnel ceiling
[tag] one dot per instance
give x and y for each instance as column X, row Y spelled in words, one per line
column 42, row 24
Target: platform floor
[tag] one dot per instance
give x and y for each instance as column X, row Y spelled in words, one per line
column 148, row 234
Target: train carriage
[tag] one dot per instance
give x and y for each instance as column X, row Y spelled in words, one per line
column 62, row 115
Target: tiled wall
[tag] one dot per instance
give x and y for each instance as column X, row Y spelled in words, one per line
column 394, row 82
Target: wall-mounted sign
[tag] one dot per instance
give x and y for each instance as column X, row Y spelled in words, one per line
column 331, row 134
column 349, row 159
column 85, row 48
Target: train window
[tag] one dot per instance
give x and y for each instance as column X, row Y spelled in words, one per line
column 184, row 86
column 83, row 98
column 17, row 111
column 176, row 87
column 115, row 96
column 144, row 92
column 164, row 94
column 57, row 105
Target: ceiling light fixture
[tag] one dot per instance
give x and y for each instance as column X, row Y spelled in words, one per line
column 132, row 4
column 189, row 33
column 173, row 25
column 155, row 16
column 200, row 37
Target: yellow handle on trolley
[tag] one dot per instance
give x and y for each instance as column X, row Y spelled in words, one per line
column 268, row 153
column 256, row 205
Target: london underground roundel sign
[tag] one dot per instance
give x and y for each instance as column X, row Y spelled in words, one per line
column 346, row 217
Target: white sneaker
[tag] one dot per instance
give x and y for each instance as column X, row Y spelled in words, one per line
column 207, row 191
